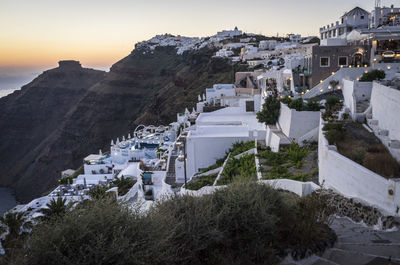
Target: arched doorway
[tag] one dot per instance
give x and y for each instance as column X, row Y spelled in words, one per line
column 357, row 59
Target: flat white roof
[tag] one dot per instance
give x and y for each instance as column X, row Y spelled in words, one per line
column 93, row 157
column 227, row 122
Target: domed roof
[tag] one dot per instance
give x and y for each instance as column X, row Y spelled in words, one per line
column 356, row 11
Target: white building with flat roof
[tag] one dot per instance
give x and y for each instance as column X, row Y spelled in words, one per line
column 215, row 133
column 229, row 33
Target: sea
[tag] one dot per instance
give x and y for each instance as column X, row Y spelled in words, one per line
column 7, row 200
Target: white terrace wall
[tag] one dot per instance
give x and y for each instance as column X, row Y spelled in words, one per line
column 385, row 102
column 202, row 152
column 355, row 181
column 354, row 91
column 295, row 124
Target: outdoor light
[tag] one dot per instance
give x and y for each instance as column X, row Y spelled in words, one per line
column 333, row 73
column 321, row 90
column 307, row 90
column 365, row 65
column 350, row 66
column 366, row 71
column 389, row 67
column 339, row 87
column 374, row 59
column 329, row 87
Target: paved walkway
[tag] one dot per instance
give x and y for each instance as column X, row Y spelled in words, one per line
column 358, row 245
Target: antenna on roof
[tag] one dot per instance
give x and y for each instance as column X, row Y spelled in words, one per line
column 377, row 3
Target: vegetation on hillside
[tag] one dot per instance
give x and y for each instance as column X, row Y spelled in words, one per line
column 246, row 223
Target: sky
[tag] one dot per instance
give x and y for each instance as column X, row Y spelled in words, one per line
column 36, row 34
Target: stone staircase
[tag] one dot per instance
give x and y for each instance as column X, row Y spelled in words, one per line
column 358, row 245
column 170, row 178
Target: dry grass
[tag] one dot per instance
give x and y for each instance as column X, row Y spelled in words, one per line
column 365, row 148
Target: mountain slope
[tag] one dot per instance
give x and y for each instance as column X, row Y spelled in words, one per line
column 147, row 87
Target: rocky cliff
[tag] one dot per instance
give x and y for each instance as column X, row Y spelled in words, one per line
column 69, row 112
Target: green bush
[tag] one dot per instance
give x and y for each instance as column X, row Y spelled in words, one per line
column 243, row 168
column 373, row 75
column 296, row 154
column 278, row 172
column 334, row 136
column 123, row 184
column 334, row 132
column 241, row 147
column 246, row 223
column 297, row 104
column 273, row 159
column 313, row 105
column 270, row 111
column 201, row 182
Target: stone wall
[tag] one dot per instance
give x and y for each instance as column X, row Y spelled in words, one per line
column 356, row 211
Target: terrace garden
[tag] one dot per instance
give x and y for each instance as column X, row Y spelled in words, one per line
column 236, row 149
column 243, row 168
column 293, row 162
column 356, row 143
column 200, row 182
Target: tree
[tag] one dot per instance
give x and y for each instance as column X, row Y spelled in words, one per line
column 55, row 209
column 270, row 111
column 16, row 223
column 373, row 75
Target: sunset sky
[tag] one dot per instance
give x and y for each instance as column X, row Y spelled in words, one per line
column 36, row 34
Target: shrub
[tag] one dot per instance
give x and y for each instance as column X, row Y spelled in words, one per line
column 201, row 182
column 333, row 136
column 373, row 75
column 241, row 147
column 313, row 105
column 278, row 172
column 270, row 112
column 383, row 163
column 123, row 184
column 296, row 154
column 332, row 102
column 273, row 159
column 334, row 132
column 239, row 168
column 334, row 83
column 246, row 223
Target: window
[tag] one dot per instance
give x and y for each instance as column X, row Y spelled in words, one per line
column 324, row 62
column 362, row 17
column 343, row 61
column 249, row 106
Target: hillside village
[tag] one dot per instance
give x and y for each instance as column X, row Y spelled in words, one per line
column 314, row 114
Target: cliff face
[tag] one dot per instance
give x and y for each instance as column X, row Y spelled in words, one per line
column 65, row 114
column 30, row 116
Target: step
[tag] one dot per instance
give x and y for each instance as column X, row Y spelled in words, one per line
column 394, row 144
column 346, row 257
column 373, row 122
column 383, row 132
column 386, row 250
